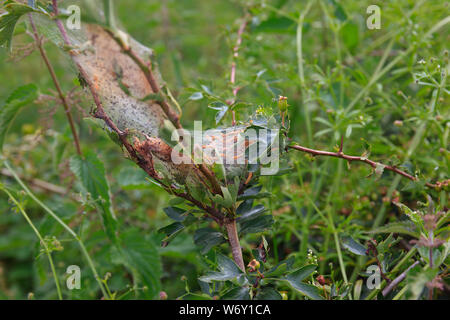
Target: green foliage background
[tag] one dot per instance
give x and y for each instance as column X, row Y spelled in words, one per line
column 317, row 206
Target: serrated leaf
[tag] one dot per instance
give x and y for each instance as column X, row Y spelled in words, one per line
column 206, row 238
column 8, row 21
column 141, row 257
column 131, row 178
column 91, row 173
column 228, row 270
column 18, row 99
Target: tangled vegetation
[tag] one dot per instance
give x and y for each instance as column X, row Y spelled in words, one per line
column 355, row 120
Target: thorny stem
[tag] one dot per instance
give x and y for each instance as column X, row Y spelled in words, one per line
column 62, row 97
column 349, row 158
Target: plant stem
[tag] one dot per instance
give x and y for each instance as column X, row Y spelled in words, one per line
column 233, row 238
column 63, row 224
column 400, row 57
column 62, row 97
column 42, row 241
column 349, row 158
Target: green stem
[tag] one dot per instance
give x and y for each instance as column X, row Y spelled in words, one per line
column 64, row 225
column 377, row 75
column 42, row 241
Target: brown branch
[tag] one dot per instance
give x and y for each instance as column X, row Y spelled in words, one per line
column 38, row 183
column 233, row 239
column 349, row 158
column 62, row 97
column 397, row 280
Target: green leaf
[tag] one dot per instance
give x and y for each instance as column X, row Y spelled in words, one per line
column 308, row 290
column 280, row 268
column 268, row 293
column 140, row 255
column 175, row 213
column 18, row 99
column 244, row 207
column 228, row 270
column 238, row 293
column 91, row 173
column 196, row 96
column 339, row 11
column 171, row 231
column 254, row 193
column 276, row 25
column 302, row 273
column 415, row 216
column 252, row 213
column 258, row 224
column 295, row 280
column 132, row 178
column 221, row 107
column 206, row 238
column 351, row 245
column 416, row 280
column 350, row 35
column 403, row 227
column 8, row 21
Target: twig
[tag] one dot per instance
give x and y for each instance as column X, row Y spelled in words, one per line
column 397, row 280
column 349, row 158
column 64, row 102
column 39, row 183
